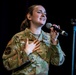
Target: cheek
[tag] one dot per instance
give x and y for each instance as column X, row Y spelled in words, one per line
column 36, row 15
column 46, row 18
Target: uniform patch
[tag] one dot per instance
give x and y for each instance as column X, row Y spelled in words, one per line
column 7, row 51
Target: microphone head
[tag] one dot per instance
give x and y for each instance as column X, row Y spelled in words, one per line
column 48, row 25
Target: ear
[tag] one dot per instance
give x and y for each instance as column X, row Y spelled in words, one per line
column 29, row 16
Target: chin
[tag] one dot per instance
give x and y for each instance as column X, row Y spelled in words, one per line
column 42, row 23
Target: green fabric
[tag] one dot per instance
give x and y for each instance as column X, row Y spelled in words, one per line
column 14, row 55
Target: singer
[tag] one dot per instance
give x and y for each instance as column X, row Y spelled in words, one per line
column 30, row 51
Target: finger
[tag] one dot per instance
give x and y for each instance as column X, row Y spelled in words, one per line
column 38, row 45
column 55, row 32
column 39, row 51
column 51, row 28
column 55, row 25
column 38, row 48
column 59, row 26
column 36, row 42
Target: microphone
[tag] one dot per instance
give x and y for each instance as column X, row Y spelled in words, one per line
column 62, row 32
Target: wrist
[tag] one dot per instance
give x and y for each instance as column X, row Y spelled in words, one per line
column 27, row 51
column 54, row 41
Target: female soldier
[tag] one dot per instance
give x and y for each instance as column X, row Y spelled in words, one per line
column 30, row 51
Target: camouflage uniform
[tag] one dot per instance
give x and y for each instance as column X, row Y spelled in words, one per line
column 15, row 58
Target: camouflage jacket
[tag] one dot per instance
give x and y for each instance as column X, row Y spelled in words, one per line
column 15, row 58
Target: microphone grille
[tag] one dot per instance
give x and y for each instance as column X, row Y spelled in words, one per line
column 48, row 25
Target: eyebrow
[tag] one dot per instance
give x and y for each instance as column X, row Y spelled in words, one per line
column 41, row 10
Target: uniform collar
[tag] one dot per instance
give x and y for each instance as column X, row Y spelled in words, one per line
column 45, row 37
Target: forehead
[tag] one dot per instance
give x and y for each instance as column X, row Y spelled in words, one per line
column 36, row 8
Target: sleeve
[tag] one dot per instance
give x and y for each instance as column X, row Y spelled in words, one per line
column 13, row 56
column 57, row 55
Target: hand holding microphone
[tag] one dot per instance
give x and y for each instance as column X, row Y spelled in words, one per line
column 54, row 34
column 55, row 27
column 55, row 31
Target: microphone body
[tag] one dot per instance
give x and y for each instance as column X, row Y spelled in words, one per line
column 62, row 32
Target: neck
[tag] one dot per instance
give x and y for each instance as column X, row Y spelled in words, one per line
column 35, row 30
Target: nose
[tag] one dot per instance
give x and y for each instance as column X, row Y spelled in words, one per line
column 43, row 14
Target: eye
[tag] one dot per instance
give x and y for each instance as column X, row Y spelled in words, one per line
column 39, row 12
column 45, row 14
column 42, row 12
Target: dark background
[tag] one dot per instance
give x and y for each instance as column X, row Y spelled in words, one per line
column 58, row 12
